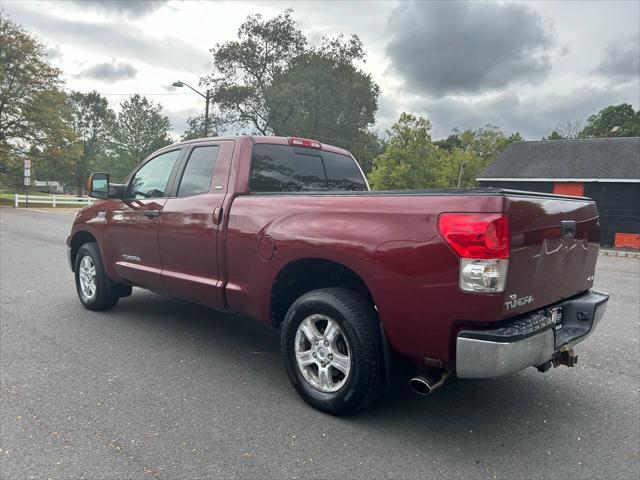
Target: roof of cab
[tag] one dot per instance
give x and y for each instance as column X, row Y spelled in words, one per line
column 267, row 139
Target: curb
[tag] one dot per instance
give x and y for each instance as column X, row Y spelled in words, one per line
column 620, row 254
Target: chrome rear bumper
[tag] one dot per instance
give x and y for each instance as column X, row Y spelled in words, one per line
column 529, row 340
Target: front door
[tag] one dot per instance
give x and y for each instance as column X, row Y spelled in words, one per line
column 191, row 222
column 131, row 233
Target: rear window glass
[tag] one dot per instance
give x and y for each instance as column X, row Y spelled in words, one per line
column 280, row 168
column 342, row 172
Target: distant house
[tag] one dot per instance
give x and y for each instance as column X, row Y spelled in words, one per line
column 604, row 169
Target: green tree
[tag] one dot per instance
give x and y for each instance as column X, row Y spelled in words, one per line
column 410, row 159
column 450, row 143
column 93, row 123
column 487, row 142
column 324, row 96
column 270, row 82
column 457, row 168
column 368, row 147
column 244, row 69
column 195, row 127
column 554, row 135
column 34, row 113
column 480, row 147
column 141, row 129
column 623, row 116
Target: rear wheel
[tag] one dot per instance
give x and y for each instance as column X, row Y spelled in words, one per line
column 95, row 290
column 331, row 346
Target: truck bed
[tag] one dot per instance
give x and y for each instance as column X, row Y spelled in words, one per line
column 390, row 239
column 480, row 191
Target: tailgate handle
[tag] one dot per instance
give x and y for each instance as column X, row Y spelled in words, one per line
column 568, row 228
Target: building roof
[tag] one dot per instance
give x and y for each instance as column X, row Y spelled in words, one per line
column 589, row 159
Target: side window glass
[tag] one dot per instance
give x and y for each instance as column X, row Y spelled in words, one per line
column 198, row 173
column 152, row 179
column 279, row 168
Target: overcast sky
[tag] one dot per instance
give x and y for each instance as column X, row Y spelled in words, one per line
column 524, row 66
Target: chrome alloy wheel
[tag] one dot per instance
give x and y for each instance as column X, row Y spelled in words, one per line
column 322, row 353
column 87, row 276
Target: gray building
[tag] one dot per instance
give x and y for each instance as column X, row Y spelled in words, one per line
column 604, row 169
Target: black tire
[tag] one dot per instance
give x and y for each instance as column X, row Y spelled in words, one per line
column 107, row 292
column 359, row 323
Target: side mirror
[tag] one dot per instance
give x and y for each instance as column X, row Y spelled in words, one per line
column 98, row 185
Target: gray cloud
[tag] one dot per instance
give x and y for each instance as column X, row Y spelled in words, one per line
column 178, row 119
column 467, row 47
column 534, row 116
column 165, row 52
column 109, row 72
column 127, row 8
column 622, row 59
column 53, row 52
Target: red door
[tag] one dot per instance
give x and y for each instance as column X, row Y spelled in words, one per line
column 131, row 233
column 191, row 222
column 569, row 188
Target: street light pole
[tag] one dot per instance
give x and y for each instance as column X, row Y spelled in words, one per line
column 460, row 174
column 206, row 97
column 206, row 115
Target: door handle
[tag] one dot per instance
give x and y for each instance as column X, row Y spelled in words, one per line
column 152, row 213
column 217, row 216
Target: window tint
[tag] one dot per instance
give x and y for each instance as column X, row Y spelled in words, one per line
column 151, row 180
column 197, row 175
column 279, row 168
column 342, row 172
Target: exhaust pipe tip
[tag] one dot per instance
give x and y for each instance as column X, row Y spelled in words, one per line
column 429, row 382
column 420, row 386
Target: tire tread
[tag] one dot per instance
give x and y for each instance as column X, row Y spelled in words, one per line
column 107, row 295
column 364, row 320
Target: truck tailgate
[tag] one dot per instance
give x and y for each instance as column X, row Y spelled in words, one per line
column 554, row 248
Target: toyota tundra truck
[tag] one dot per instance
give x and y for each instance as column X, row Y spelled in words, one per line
column 474, row 283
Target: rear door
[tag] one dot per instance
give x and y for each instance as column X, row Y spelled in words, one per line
column 191, row 223
column 131, row 236
column 554, row 248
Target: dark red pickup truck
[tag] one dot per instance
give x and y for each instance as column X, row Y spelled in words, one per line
column 478, row 283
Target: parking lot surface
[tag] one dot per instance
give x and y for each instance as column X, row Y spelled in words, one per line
column 159, row 388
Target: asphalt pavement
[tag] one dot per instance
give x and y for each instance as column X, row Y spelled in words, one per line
column 160, row 388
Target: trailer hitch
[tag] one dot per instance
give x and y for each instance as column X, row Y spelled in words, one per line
column 565, row 356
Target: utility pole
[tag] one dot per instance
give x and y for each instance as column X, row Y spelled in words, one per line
column 206, row 97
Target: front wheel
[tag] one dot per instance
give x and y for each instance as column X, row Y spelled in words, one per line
column 331, row 347
column 95, row 289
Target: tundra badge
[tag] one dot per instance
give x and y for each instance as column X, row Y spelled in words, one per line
column 515, row 302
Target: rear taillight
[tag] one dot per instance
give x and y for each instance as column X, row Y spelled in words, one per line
column 304, row 142
column 481, row 240
column 476, row 235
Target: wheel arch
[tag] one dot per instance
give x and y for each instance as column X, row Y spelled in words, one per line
column 303, row 275
column 78, row 239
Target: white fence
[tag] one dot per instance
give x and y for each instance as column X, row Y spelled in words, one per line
column 53, row 200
